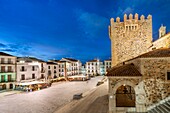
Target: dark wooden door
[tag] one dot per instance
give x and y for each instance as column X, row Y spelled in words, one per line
column 2, row 78
column 9, row 78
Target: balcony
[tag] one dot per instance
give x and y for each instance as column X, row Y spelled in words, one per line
column 7, row 71
column 7, row 62
column 3, row 81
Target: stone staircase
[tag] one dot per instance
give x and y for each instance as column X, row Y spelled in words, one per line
column 163, row 107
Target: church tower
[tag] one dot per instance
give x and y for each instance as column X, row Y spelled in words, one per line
column 162, row 31
column 129, row 38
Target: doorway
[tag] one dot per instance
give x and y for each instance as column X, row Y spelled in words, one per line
column 125, row 96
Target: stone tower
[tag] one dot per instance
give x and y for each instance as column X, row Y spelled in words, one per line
column 129, row 38
column 162, row 31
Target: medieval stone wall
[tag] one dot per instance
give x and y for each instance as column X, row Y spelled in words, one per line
column 154, row 77
column 163, row 42
column 130, row 38
column 154, row 71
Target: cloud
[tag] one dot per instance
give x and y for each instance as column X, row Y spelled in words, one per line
column 7, row 50
column 2, row 45
column 91, row 24
column 128, row 10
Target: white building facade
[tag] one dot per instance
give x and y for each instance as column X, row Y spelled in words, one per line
column 75, row 66
column 7, row 71
column 107, row 64
column 29, row 69
column 53, row 70
column 93, row 67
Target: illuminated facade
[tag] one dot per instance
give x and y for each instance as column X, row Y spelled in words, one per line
column 139, row 77
column 7, row 71
column 29, row 69
column 53, row 70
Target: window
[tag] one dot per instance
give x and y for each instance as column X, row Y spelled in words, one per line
column 2, row 68
column 9, row 78
column 33, row 76
column 33, row 68
column 9, row 69
column 2, row 60
column 2, row 78
column 23, row 77
column 9, row 61
column 168, row 75
column 48, row 67
column 42, row 76
column 54, row 67
column 126, row 27
column 55, row 71
column 22, row 68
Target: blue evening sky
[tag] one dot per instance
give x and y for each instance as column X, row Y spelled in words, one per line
column 52, row 29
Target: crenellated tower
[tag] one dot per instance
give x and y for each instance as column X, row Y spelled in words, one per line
column 130, row 38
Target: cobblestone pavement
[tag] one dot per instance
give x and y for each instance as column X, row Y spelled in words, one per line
column 95, row 102
column 47, row 100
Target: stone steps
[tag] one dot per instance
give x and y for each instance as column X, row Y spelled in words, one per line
column 162, row 108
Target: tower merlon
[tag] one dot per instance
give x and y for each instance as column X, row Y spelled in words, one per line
column 130, row 17
column 125, row 17
column 149, row 17
column 118, row 19
column 112, row 21
column 142, row 17
column 136, row 16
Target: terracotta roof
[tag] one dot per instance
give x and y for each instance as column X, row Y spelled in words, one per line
column 5, row 54
column 162, row 52
column 29, row 59
column 53, row 63
column 108, row 60
column 124, row 70
column 156, row 53
column 71, row 59
column 95, row 60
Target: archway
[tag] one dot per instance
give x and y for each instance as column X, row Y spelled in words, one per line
column 11, row 86
column 4, row 86
column 113, row 90
column 125, row 96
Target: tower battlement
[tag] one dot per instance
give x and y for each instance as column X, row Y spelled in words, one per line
column 132, row 18
column 130, row 37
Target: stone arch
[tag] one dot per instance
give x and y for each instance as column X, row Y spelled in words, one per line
column 121, row 83
column 114, row 89
column 125, row 96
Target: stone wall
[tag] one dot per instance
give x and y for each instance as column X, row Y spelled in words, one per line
column 130, row 38
column 154, row 71
column 162, row 42
column 154, row 78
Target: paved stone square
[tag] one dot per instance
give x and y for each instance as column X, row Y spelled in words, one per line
column 47, row 100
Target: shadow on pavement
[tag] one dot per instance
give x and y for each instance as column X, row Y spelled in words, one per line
column 100, row 105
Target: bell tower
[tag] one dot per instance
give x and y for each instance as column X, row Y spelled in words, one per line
column 162, row 31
